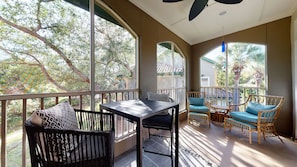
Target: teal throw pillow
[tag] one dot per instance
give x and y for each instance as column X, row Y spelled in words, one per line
column 254, row 108
column 198, row 101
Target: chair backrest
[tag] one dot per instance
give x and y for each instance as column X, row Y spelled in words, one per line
column 159, row 97
column 266, row 99
column 277, row 101
column 81, row 147
column 196, row 94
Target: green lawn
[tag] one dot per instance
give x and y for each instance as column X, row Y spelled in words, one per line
column 14, row 149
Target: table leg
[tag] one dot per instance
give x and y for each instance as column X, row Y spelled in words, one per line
column 139, row 143
column 176, row 134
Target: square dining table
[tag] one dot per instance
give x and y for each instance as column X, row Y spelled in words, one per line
column 137, row 110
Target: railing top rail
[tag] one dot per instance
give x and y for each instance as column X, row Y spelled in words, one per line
column 41, row 95
column 44, row 95
column 116, row 91
column 246, row 87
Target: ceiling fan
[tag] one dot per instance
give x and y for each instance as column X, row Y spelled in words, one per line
column 199, row 5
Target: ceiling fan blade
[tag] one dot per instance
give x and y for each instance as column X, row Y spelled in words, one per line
column 229, row 1
column 171, row 1
column 196, row 8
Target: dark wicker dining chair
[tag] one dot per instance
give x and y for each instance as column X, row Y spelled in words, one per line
column 163, row 121
column 92, row 144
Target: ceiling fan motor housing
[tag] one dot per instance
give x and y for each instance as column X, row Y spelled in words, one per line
column 199, row 5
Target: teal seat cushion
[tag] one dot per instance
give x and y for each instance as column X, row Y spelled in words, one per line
column 199, row 109
column 254, row 108
column 244, row 116
column 241, row 122
column 198, row 101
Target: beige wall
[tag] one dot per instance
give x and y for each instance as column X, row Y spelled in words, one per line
column 276, row 36
column 150, row 32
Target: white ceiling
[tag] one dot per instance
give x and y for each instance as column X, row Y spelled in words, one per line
column 209, row 23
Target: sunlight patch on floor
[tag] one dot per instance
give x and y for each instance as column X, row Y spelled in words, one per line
column 251, row 157
column 199, row 142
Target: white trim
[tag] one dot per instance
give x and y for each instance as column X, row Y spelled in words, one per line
column 92, row 59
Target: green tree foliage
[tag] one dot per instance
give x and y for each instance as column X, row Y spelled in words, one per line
column 249, row 60
column 45, row 47
column 246, row 65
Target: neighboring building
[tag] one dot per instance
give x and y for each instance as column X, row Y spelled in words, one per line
column 165, row 76
column 207, row 72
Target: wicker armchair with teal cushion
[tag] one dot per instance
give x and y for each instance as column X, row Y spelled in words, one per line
column 63, row 136
column 198, row 107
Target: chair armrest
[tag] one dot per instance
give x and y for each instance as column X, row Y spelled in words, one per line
column 233, row 106
column 208, row 103
column 268, row 116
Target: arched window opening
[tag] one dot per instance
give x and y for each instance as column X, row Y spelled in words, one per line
column 47, row 49
column 231, row 76
column 171, row 72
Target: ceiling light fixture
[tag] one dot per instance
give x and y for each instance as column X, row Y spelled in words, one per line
column 223, row 13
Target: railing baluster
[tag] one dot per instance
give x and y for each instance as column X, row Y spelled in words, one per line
column 24, row 134
column 57, row 100
column 80, row 102
column 3, row 133
column 42, row 103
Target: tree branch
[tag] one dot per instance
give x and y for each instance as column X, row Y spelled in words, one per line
column 83, row 77
column 39, row 64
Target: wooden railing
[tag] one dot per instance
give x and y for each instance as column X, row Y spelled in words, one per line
column 30, row 102
column 178, row 94
column 238, row 95
column 26, row 103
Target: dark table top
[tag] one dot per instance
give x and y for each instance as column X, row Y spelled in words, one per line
column 137, row 109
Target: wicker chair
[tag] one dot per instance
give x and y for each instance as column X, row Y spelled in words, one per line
column 258, row 113
column 90, row 145
column 163, row 121
column 197, row 106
